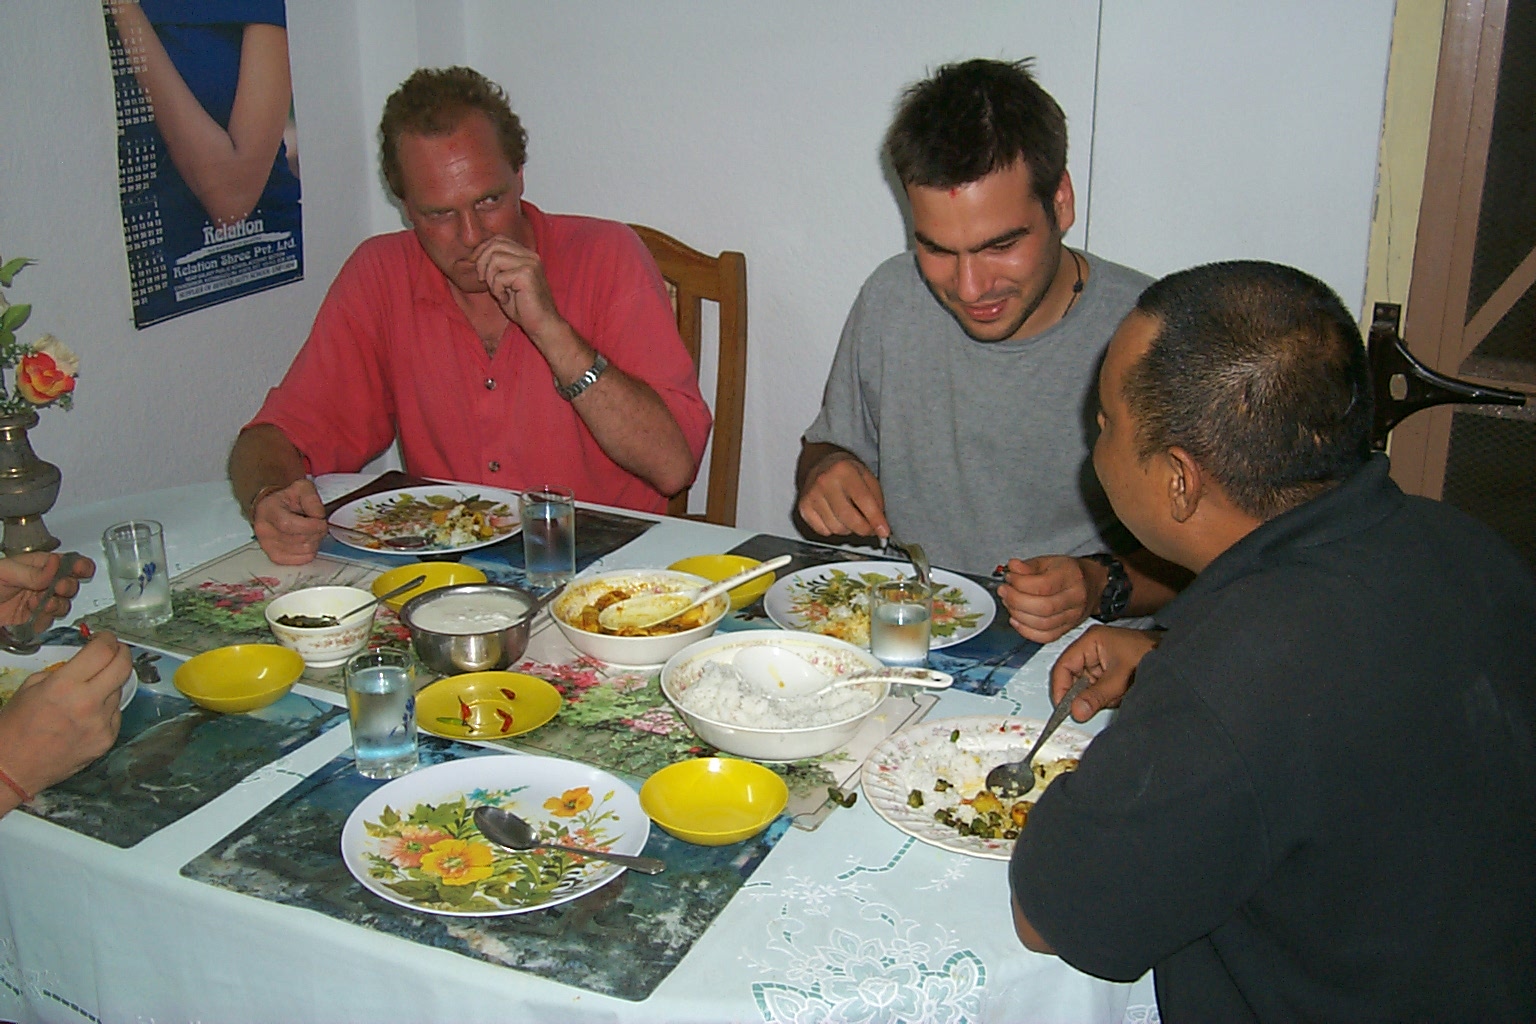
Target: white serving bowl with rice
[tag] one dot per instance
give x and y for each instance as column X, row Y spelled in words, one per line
column 730, row 713
column 575, row 611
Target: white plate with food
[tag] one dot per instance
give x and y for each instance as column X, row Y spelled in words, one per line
column 14, row 669
column 413, row 841
column 833, row 600
column 453, row 518
column 940, row 767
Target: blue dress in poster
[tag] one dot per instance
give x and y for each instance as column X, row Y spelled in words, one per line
column 210, row 188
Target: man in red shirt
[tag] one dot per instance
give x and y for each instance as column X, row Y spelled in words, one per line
column 500, row 344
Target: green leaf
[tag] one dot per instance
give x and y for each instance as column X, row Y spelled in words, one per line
column 11, row 268
column 15, row 316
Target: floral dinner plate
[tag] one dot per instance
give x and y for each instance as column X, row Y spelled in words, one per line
column 833, row 600
column 413, row 841
column 962, row 751
column 456, row 517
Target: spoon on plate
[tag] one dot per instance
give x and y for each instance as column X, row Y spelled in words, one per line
column 23, row 638
column 409, row 542
column 646, row 610
column 1016, row 778
column 784, row 675
column 504, row 828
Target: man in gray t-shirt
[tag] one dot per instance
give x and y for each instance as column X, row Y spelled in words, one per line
column 959, row 410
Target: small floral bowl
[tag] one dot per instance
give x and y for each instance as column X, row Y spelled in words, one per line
column 323, row 646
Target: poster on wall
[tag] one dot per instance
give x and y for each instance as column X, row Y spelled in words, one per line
column 208, row 166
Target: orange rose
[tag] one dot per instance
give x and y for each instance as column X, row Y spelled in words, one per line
column 40, row 380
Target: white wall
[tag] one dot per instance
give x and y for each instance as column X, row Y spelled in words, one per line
column 1222, row 130
column 159, row 406
column 1240, row 130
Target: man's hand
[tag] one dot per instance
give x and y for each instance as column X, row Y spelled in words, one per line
column 24, row 585
column 290, row 523
column 515, row 276
column 1109, row 656
column 1047, row 596
column 60, row 721
column 840, row 496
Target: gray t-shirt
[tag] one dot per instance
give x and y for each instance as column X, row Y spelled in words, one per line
column 982, row 449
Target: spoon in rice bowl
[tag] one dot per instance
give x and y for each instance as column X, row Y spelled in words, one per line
column 643, row 611
column 784, row 675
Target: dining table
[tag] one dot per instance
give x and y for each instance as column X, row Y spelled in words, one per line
column 195, row 873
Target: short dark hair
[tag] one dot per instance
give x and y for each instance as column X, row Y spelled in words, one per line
column 434, row 101
column 969, row 119
column 1258, row 371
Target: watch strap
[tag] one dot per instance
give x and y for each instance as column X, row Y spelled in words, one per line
column 1117, row 587
column 586, row 380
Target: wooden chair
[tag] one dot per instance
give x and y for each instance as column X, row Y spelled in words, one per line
column 692, row 277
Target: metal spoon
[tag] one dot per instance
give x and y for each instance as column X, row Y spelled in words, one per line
column 411, row 542
column 784, row 675
column 919, row 559
column 1018, row 777
column 506, row 829
column 646, row 610
column 23, row 638
column 410, row 584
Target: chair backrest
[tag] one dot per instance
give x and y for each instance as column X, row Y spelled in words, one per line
column 693, row 277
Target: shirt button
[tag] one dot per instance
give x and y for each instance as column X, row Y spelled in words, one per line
column 494, row 467
column 490, row 383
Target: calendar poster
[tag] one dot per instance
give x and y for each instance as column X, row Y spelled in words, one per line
column 208, row 164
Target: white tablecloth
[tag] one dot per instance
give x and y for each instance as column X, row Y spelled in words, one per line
column 855, row 921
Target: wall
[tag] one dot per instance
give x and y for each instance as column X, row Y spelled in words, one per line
column 159, row 406
column 1240, row 130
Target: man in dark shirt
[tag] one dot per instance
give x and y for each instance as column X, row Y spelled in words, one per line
column 1318, row 800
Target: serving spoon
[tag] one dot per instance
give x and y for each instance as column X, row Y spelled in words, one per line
column 409, row 542
column 784, row 675
column 1016, row 778
column 646, row 610
column 23, row 638
column 504, row 828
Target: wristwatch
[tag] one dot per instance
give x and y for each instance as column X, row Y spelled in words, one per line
column 1117, row 588
column 586, row 380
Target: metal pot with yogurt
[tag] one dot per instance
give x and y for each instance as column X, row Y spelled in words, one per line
column 471, row 627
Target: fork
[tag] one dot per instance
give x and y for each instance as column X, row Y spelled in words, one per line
column 919, row 559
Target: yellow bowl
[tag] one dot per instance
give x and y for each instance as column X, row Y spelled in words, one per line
column 486, row 705
column 713, row 801
column 438, row 574
column 718, row 567
column 243, row 677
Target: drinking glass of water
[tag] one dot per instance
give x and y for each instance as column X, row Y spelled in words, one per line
column 549, row 535
column 381, row 705
column 141, row 580
column 900, row 612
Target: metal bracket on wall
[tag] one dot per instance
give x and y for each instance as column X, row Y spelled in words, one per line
column 1403, row 385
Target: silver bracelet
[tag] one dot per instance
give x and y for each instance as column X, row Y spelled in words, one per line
column 586, row 380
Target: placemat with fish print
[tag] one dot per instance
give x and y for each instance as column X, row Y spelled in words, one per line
column 620, row 940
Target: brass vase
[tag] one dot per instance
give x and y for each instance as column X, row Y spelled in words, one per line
column 28, row 488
